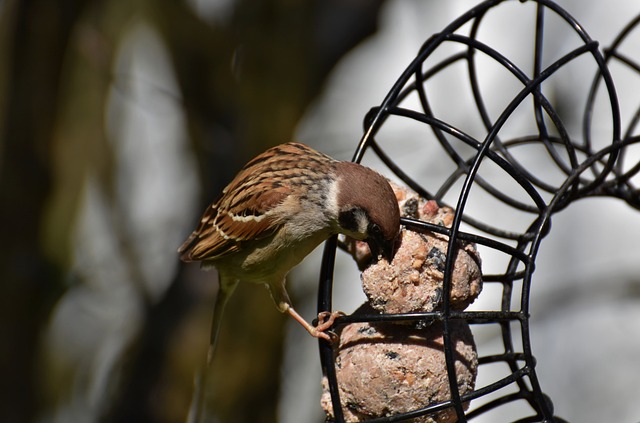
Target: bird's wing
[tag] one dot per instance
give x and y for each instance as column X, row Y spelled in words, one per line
column 237, row 217
column 245, row 210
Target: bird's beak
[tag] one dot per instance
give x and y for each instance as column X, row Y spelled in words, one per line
column 389, row 250
column 384, row 248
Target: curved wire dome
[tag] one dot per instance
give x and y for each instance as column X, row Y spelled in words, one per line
column 513, row 152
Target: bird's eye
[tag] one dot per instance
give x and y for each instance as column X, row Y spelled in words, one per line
column 374, row 229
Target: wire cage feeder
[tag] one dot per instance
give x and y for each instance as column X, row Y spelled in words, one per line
column 512, row 148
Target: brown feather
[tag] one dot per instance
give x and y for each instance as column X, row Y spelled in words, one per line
column 245, row 209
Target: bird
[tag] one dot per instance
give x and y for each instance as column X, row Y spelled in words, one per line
column 279, row 207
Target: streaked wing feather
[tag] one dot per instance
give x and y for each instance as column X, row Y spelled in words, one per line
column 235, row 219
column 245, row 209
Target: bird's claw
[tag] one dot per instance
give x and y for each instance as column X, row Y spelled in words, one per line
column 324, row 322
column 327, row 318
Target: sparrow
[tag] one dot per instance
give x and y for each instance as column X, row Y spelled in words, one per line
column 281, row 206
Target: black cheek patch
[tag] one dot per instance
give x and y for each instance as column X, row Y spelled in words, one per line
column 348, row 220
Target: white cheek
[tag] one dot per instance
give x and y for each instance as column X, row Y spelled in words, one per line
column 332, row 199
column 363, row 224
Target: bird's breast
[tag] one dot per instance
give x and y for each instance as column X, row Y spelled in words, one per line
column 271, row 258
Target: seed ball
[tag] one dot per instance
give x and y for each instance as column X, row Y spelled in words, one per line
column 413, row 281
column 385, row 369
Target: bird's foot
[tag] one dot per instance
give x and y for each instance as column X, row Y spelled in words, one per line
column 325, row 321
column 327, row 318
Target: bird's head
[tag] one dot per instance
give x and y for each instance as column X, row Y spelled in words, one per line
column 368, row 208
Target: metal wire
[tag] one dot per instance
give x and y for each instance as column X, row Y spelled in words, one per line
column 588, row 171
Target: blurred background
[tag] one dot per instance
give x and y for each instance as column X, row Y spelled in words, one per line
column 121, row 121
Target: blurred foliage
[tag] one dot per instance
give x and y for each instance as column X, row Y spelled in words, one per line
column 244, row 82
